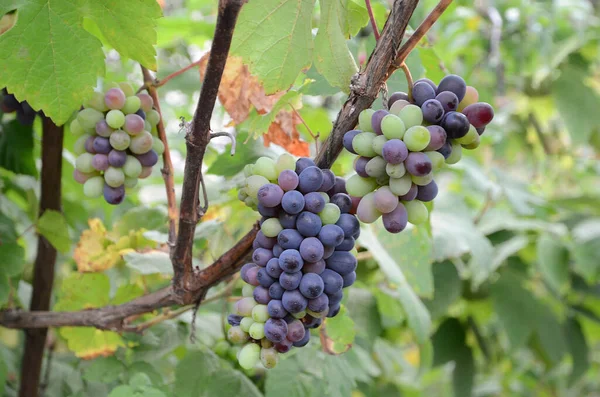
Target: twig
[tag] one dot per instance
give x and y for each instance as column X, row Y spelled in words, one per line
column 479, row 337
column 325, row 341
column 313, row 136
column 167, row 170
column 540, row 133
column 159, row 83
column 488, row 203
column 372, row 18
column 409, row 79
column 227, row 134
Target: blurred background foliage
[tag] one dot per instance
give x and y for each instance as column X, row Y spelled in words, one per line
column 508, row 267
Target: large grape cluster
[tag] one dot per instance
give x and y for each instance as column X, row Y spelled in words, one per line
column 399, row 150
column 303, row 257
column 117, row 142
column 10, row 104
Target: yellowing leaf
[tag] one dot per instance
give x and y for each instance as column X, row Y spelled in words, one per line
column 88, row 343
column 95, row 252
column 338, row 332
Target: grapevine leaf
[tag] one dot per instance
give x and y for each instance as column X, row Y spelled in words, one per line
column 16, row 148
column 389, row 309
column 95, row 252
column 3, row 374
column 4, row 289
column 362, row 306
column 463, row 376
column 553, row 261
column 53, row 226
column 87, row 342
column 149, row 262
column 332, row 57
column 229, row 382
column 247, row 152
column 194, row 370
column 104, row 369
column 122, row 391
column 289, row 379
column 83, row 291
column 127, row 292
column 447, row 341
column 340, row 331
column 353, row 15
column 578, row 349
column 141, row 218
column 447, row 288
column 11, row 259
column 502, row 252
column 276, row 52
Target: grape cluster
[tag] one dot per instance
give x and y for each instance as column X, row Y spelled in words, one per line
column 303, row 257
column 10, row 104
column 117, row 141
column 399, row 150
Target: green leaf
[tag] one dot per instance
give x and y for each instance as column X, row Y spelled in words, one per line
column 83, row 291
column 3, row 374
column 16, row 147
column 140, row 380
column 275, row 52
column 104, row 370
column 354, row 16
column 141, row 218
column 362, row 307
column 12, row 259
column 389, row 308
column 578, row 348
column 447, row 340
column 447, row 287
column 247, row 152
column 193, row 371
column 502, row 252
column 151, row 262
column 87, row 342
column 122, row 391
column 126, row 292
column 51, row 61
column 432, row 62
column 229, row 382
column 553, row 261
column 586, row 257
column 53, row 226
column 4, row 289
column 289, row 379
column 418, row 316
column 332, row 56
column 463, row 376
column 340, row 329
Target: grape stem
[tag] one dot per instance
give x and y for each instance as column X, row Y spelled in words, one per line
column 315, row 137
column 159, row 83
column 227, row 134
column 409, row 79
column 372, row 18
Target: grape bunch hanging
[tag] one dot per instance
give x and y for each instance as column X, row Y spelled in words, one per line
column 399, row 150
column 117, row 141
column 303, row 257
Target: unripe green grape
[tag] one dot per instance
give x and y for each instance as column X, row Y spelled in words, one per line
column 417, row 212
column 76, row 128
column 249, row 356
column 149, row 127
column 248, row 170
column 422, row 180
column 84, row 162
column 242, row 195
column 88, row 118
column 285, row 162
column 257, row 331
column 269, row 357
column 141, row 143
column 233, row 353
column 265, row 343
column 378, row 143
column 246, row 323
column 411, row 115
column 253, row 183
column 363, row 144
column 358, row 186
column 437, row 160
column 153, row 117
column 299, row 315
column 132, row 104
column 154, row 131
column 158, row 146
column 265, row 166
column 79, row 146
column 236, row 335
column 397, row 170
column 376, row 167
column 251, row 202
column 474, row 144
column 383, row 180
column 456, row 154
column 364, row 119
column 114, row 177
column 271, row 227
column 260, row 313
column 247, row 290
column 221, row 348
column 130, row 182
column 115, row 119
column 322, row 314
column 93, row 187
column 132, row 167
column 393, row 127
column 325, row 196
column 417, row 138
column 471, row 136
column 401, row 186
column 330, row 214
column 126, row 88
column 96, row 102
column 119, row 140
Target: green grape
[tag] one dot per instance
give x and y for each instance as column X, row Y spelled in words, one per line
column 456, row 154
column 221, row 348
column 393, row 127
column 236, row 335
column 383, row 180
column 299, row 315
column 234, row 352
column 398, row 105
column 248, row 170
column 79, row 146
column 132, row 104
column 242, row 195
column 150, row 127
column 126, row 88
column 422, row 180
column 130, row 182
column 269, row 357
column 471, row 136
column 363, row 144
column 96, row 102
column 109, row 85
column 325, row 196
column 153, row 117
column 257, row 331
column 354, row 251
column 364, row 120
column 247, row 290
column 115, row 119
column 376, row 167
column 411, row 115
column 141, row 143
column 132, row 167
column 114, row 177
column 260, row 314
column 93, row 187
column 265, row 166
column 378, row 143
column 417, row 212
column 271, row 227
column 84, row 162
column 76, row 128
column 358, row 186
column 397, row 170
column 285, row 162
column 88, row 118
column 330, row 214
column 322, row 314
column 417, row 138
column 437, row 160
column 249, row 356
column 253, row 183
column 474, row 144
column 246, row 323
column 158, row 146
column 251, row 202
column 400, row 186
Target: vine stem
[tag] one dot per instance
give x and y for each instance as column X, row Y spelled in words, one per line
column 372, row 18
column 409, row 79
column 167, row 170
column 159, row 83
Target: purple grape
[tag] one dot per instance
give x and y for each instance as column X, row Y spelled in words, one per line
column 293, row 202
column 117, row 158
column 348, row 137
column 446, row 149
column 290, row 281
column 342, row 262
column 396, row 96
column 114, row 195
column 288, row 221
column 311, row 179
column 331, row 235
column 314, row 202
column 427, row 192
column 275, row 330
column 275, row 309
column 270, row 195
column 311, row 249
column 428, row 81
column 311, row 285
column 396, row 221
column 349, row 279
column 418, row 164
column 289, row 239
column 252, row 276
column 346, row 245
column 437, row 137
column 234, row 319
column 276, row 290
column 480, row 130
column 261, row 256
column 411, row 195
column 264, row 279
column 288, row 180
column 264, row 241
column 479, row 114
column 114, row 98
column 332, row 281
column 421, row 92
column 343, row 201
column 395, row 151
column 308, row 224
column 269, row 212
column 311, row 322
column 244, row 271
column 294, row 301
column 290, row 261
column 273, row 268
column 339, row 187
column 336, row 297
column 148, row 159
column 100, row 162
column 103, row 129
column 296, row 331
column 455, row 84
column 261, row 295
column 449, row 100
column 255, row 244
column 433, row 111
column 304, row 341
column 277, row 250
column 102, row 145
column 316, row 267
column 89, row 145
column 349, row 224
column 284, row 346
column 376, row 120
column 328, row 251
column 328, row 180
column 141, row 113
column 320, row 303
column 360, row 166
column 334, row 310
column 303, row 163
column 456, row 125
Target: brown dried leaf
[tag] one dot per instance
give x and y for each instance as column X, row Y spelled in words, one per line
column 283, row 132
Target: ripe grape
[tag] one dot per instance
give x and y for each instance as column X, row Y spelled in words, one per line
column 102, row 128
column 376, row 167
column 148, row 159
column 366, row 211
column 276, row 309
column 417, row 138
column 273, row 268
column 427, row 192
column 336, row 298
column 113, row 195
column 311, row 285
column 101, row 145
column 308, row 224
column 446, row 149
column 114, row 98
column 448, row 100
column 316, row 267
column 417, row 212
column 234, row 319
column 343, row 201
column 349, row 279
column 364, row 119
column 287, row 221
column 433, row 111
column 260, row 293
column 428, row 81
column 397, row 96
column 270, row 195
column 328, row 180
column 349, row 225
column 276, row 291
column 290, row 261
column 342, row 262
column 134, row 124
column 479, row 114
column 261, row 256
column 411, row 115
column 437, row 137
column 395, row 221
column 348, row 138
column 289, row 239
column 311, row 249
column 360, row 166
column 146, row 101
column 303, row 163
column 411, row 194
column 89, row 145
column 146, row 172
column 395, row 151
column 314, row 202
column 100, row 162
column 455, row 84
column 294, row 301
column 310, row 179
column 81, row 177
column 293, row 202
column 376, row 119
column 385, row 200
column 363, row 144
column 332, row 281
column 422, row 92
column 418, row 164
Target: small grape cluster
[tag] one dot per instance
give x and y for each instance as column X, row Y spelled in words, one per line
column 303, row 257
column 118, row 141
column 400, row 149
column 10, row 104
